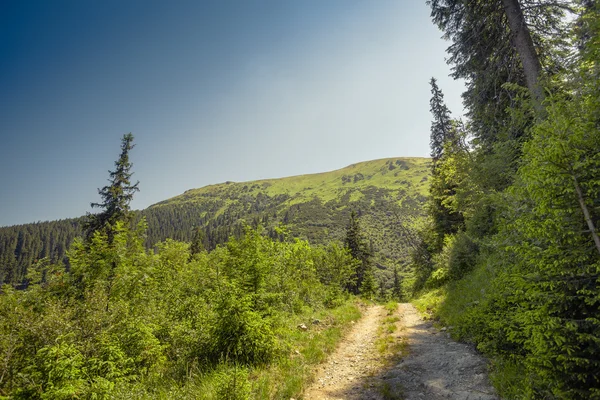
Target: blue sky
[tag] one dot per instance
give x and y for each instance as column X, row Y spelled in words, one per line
column 212, row 91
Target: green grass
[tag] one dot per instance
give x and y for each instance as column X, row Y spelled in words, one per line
column 289, row 375
column 391, row 348
column 388, row 345
column 391, row 393
column 391, row 307
column 428, row 304
column 408, row 173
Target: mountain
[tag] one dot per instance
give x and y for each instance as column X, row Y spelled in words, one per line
column 385, row 193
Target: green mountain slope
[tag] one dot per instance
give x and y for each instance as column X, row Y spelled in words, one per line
column 315, row 207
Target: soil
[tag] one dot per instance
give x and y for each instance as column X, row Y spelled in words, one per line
column 427, row 363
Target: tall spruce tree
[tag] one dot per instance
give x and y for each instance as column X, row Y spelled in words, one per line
column 443, row 144
column 115, row 196
column 397, row 286
column 198, row 242
column 355, row 243
column 441, row 126
column 495, row 42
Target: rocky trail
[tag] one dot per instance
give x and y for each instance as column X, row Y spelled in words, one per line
column 418, row 361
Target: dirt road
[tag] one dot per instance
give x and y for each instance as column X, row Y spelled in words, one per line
column 427, row 364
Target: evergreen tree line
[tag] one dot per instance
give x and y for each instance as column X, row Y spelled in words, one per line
column 510, row 242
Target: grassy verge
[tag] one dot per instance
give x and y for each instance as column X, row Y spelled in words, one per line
column 288, row 376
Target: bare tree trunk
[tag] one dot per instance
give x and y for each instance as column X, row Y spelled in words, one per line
column 526, row 50
column 586, row 214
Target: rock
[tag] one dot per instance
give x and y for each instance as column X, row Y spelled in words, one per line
column 302, row 327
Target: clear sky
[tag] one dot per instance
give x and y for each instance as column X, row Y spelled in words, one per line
column 212, row 91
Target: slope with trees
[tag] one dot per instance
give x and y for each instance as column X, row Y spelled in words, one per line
column 385, row 193
column 520, row 276
column 120, row 321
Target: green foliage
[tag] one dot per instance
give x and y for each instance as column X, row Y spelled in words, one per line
column 137, row 324
column 397, row 292
column 357, row 247
column 368, row 289
column 556, row 260
column 441, row 127
column 240, row 334
column 232, row 383
column 522, row 280
column 58, row 372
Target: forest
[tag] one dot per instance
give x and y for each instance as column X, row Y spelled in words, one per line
column 509, row 254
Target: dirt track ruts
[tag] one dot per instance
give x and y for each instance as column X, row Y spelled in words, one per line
column 431, row 366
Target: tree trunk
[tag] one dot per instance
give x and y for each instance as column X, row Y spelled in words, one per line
column 526, row 50
column 586, row 213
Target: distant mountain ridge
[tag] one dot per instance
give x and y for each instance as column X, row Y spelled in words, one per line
column 315, row 207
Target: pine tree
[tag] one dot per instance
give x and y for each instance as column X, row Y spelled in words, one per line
column 116, row 196
column 444, row 143
column 368, row 287
column 355, row 243
column 441, row 126
column 495, row 43
column 397, row 288
column 197, row 242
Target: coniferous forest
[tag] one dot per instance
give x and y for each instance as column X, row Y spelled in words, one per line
column 237, row 290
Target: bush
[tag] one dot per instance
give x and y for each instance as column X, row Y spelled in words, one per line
column 462, row 256
column 231, row 383
column 240, row 334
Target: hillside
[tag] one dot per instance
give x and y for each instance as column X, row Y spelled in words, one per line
column 315, row 207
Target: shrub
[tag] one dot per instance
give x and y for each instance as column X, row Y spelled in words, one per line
column 240, row 334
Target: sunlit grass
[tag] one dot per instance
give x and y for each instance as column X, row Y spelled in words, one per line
column 328, row 185
column 289, row 376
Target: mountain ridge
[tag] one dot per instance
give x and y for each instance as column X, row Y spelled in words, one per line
column 314, row 206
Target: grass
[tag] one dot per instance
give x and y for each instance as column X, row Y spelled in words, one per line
column 428, row 304
column 391, row 393
column 406, row 173
column 391, row 348
column 391, row 307
column 289, row 376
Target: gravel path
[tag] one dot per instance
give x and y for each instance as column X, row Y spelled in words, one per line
column 431, row 366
